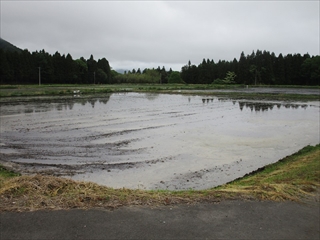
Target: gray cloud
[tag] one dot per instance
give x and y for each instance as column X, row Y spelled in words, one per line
column 152, row 33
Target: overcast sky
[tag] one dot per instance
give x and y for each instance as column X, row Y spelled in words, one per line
column 140, row 34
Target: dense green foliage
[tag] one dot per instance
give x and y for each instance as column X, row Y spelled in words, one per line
column 258, row 68
column 175, row 77
column 23, row 67
column 229, row 79
column 147, row 76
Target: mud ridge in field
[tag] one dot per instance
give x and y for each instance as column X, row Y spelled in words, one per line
column 70, row 170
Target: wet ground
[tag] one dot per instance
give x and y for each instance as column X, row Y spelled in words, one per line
column 152, row 141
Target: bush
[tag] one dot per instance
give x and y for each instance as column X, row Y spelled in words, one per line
column 229, row 79
column 175, row 78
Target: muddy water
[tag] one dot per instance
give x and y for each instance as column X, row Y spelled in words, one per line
column 153, row 141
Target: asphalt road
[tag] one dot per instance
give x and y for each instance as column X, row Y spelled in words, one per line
column 226, row 220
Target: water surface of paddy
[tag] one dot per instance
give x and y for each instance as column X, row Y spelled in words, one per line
column 153, row 141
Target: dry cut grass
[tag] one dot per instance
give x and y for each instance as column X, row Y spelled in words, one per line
column 27, row 193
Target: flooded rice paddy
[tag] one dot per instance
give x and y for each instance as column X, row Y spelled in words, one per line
column 153, row 141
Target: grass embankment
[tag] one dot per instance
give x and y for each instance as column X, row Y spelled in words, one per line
column 68, row 89
column 292, row 178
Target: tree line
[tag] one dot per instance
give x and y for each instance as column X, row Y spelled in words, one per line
column 257, row 68
column 23, row 67
column 156, row 76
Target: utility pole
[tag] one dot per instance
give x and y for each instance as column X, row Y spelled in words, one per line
column 39, row 76
column 94, row 77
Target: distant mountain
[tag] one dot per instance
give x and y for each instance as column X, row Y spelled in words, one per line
column 121, row 70
column 6, row 46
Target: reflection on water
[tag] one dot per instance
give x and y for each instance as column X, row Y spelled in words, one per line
column 262, row 106
column 257, row 106
column 65, row 104
column 151, row 96
column 50, row 104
